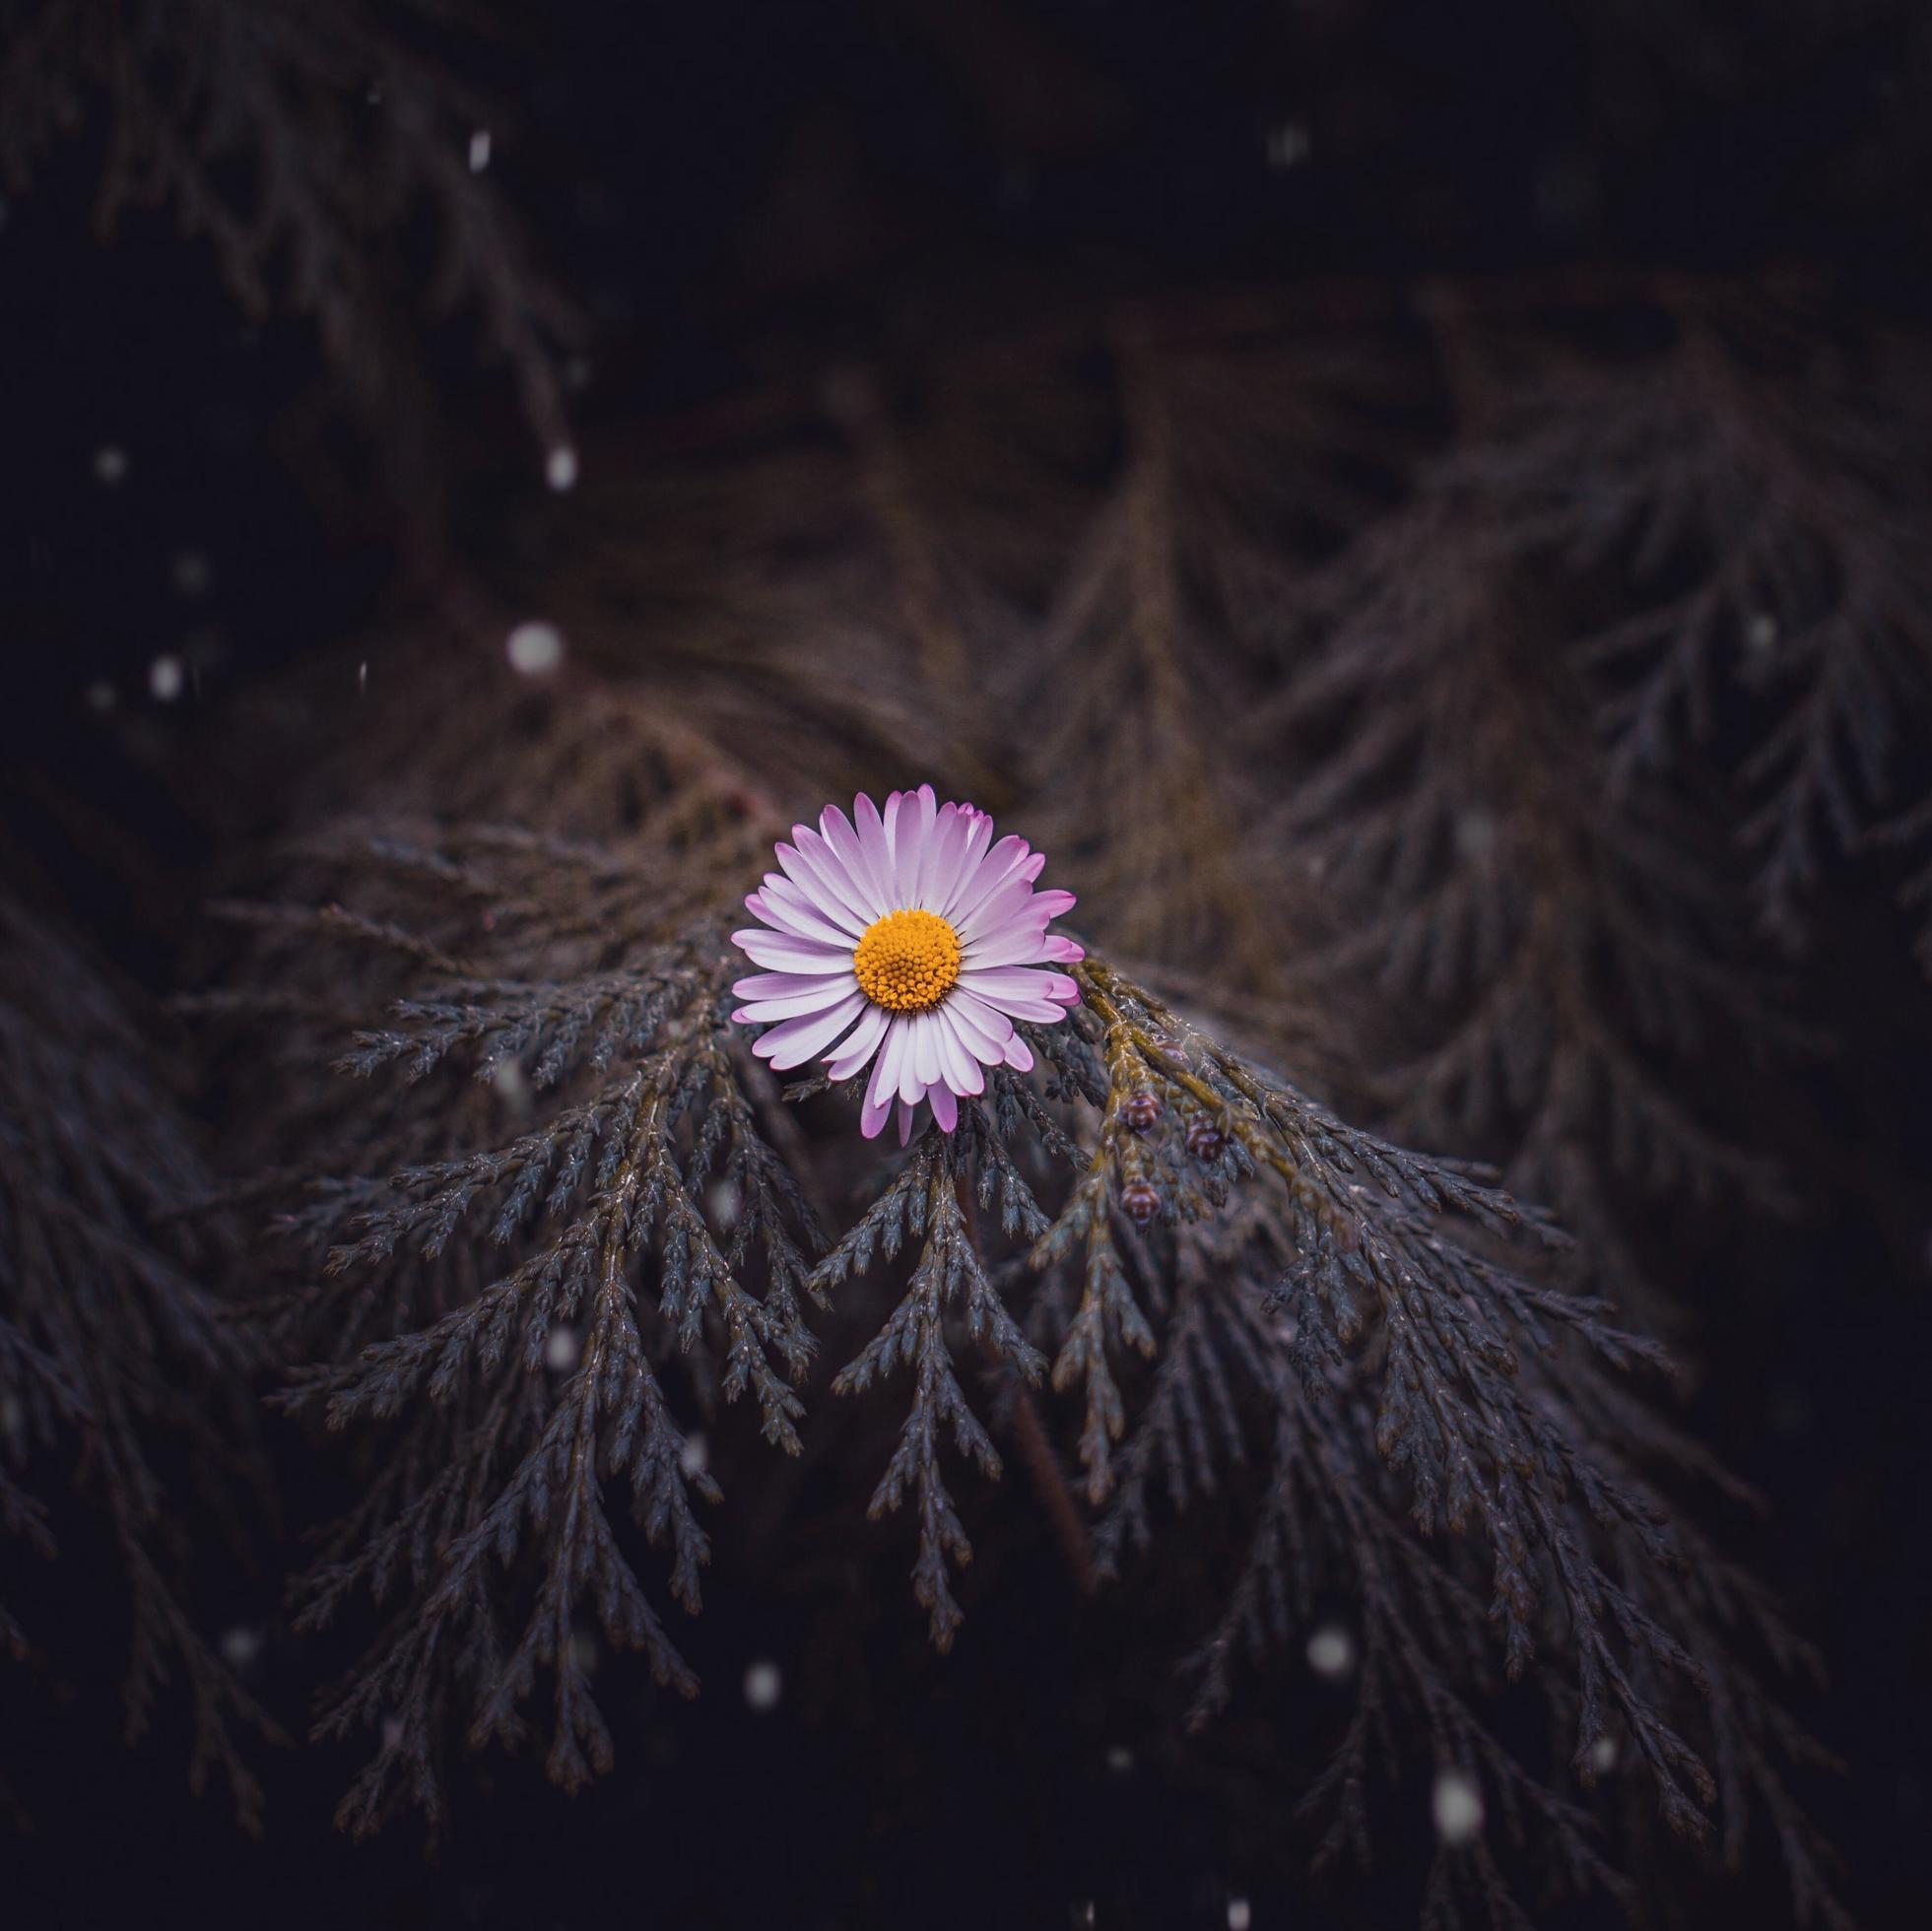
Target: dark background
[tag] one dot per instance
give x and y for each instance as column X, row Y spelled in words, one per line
column 742, row 192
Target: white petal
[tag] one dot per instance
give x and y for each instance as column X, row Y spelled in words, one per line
column 904, row 1122
column 912, row 1086
column 958, row 1061
column 984, row 1032
column 885, row 1070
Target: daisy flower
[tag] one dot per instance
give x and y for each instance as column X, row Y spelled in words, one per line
column 906, row 940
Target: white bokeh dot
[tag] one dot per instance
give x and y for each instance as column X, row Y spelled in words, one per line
column 1456, row 1804
column 1331, row 1653
column 167, row 679
column 535, row 649
column 764, row 1684
column 1239, row 1914
column 110, row 464
column 240, row 1646
column 560, row 468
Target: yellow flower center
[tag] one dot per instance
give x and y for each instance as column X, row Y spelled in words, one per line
column 907, row 960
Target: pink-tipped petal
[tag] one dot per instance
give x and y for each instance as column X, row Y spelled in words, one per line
column 797, row 922
column 994, row 869
column 805, row 898
column 1019, row 1055
column 825, row 994
column 819, row 873
column 837, row 829
column 1019, row 982
column 945, row 1109
column 798, row 1039
column 876, row 852
column 777, row 985
column 873, row 1116
column 1015, row 944
column 904, row 1122
column 859, row 1046
column 917, row 816
column 944, row 839
column 784, row 953
column 1012, row 902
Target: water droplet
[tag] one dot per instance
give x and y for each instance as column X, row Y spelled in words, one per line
column 1603, row 1754
column 562, row 1349
column 695, row 1457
